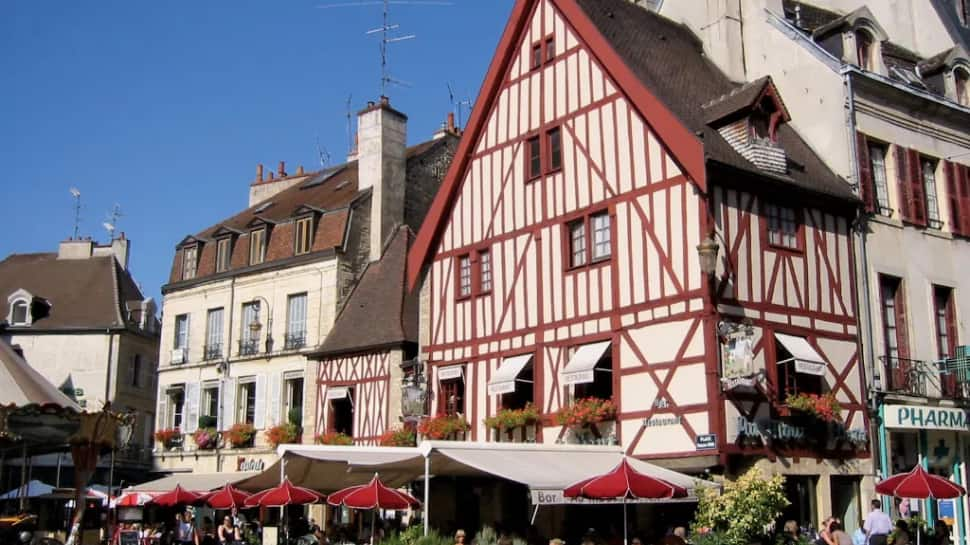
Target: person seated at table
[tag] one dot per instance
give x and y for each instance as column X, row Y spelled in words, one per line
column 228, row 533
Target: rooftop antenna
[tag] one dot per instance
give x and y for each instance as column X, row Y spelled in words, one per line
column 457, row 105
column 322, row 154
column 383, row 30
column 77, row 210
column 112, row 222
column 350, row 126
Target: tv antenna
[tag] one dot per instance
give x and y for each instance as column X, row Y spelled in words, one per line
column 385, row 28
column 112, row 222
column 322, row 154
column 350, row 126
column 77, row 210
column 457, row 105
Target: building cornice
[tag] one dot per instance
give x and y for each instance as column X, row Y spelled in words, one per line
column 278, row 264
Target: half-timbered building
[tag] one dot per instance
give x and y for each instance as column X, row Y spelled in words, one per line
column 624, row 224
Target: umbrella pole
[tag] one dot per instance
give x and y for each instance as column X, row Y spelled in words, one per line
column 373, row 517
column 427, row 479
column 624, row 522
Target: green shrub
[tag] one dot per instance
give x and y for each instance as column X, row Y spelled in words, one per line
column 742, row 513
column 206, row 421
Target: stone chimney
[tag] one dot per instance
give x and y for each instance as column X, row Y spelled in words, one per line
column 267, row 183
column 118, row 248
column 382, row 165
column 75, row 249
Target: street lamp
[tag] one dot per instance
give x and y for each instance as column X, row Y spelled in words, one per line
column 707, row 252
column 255, row 326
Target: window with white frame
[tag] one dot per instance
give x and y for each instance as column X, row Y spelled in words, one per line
column 249, row 336
column 484, row 271
column 296, row 321
column 223, row 254
column 601, row 235
column 213, row 334
column 246, row 396
column 257, row 246
column 190, row 255
column 877, row 162
column 20, row 313
column 210, row 400
column 181, row 341
column 464, row 275
column 176, row 406
column 928, row 170
column 293, row 400
column 782, row 226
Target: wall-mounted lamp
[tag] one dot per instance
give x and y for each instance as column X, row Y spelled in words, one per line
column 707, row 252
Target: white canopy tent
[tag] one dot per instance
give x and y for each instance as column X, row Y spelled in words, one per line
column 196, row 482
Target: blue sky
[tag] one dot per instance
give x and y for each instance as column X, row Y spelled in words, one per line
column 166, row 107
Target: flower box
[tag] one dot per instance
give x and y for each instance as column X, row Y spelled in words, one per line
column 444, row 427
column 240, row 435
column 401, row 437
column 283, row 433
column 586, row 412
column 334, row 438
column 823, row 407
column 508, row 419
column 169, row 437
column 206, row 438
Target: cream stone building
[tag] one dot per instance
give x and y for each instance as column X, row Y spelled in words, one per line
column 78, row 317
column 251, row 297
column 880, row 90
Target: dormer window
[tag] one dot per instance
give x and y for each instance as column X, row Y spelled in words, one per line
column 19, row 313
column 223, row 254
column 961, row 84
column 257, row 246
column 760, row 126
column 190, row 261
column 304, row 235
column 24, row 308
column 864, row 47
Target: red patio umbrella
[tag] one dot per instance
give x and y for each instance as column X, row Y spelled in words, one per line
column 373, row 495
column 624, row 483
column 132, row 499
column 179, row 496
column 227, row 497
column 284, row 494
column 918, row 483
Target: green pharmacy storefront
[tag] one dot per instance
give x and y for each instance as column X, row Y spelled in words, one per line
column 937, row 437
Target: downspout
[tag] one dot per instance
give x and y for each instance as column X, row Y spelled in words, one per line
column 107, row 375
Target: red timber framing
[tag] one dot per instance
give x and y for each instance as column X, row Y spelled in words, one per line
column 369, row 375
column 625, row 154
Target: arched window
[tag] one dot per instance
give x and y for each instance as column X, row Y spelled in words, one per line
column 960, row 79
column 864, row 49
column 20, row 312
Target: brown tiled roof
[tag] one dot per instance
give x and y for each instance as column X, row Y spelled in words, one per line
column 739, row 99
column 806, row 16
column 83, row 293
column 379, row 311
column 669, row 60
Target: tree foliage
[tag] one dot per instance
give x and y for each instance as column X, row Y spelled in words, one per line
column 743, row 512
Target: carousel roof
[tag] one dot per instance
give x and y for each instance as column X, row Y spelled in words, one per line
column 21, row 385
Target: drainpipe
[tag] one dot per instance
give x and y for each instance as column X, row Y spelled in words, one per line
column 107, row 375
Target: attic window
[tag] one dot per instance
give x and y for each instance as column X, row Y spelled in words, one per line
column 960, row 81
column 304, row 235
column 190, row 256
column 864, row 47
column 20, row 313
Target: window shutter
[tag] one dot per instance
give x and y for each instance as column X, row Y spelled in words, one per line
column 963, row 187
column 902, row 326
column 950, row 172
column 259, row 421
column 902, row 179
column 866, row 187
column 162, row 415
column 951, row 326
column 191, row 421
column 228, row 404
column 274, row 400
column 918, row 191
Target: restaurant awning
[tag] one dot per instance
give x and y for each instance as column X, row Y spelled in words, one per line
column 503, row 381
column 582, row 365
column 807, row 359
column 196, row 482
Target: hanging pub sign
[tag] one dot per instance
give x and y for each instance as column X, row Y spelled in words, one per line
column 737, row 356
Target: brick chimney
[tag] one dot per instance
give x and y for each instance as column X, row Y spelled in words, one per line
column 382, row 165
column 264, row 188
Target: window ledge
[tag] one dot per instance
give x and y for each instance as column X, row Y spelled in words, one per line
column 786, row 249
column 602, row 262
column 886, row 220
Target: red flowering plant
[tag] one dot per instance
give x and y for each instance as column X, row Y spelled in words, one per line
column 443, row 426
column 205, row 438
column 334, row 438
column 508, row 419
column 400, row 437
column 283, row 433
column 586, row 411
column 168, row 437
column 240, row 435
column 824, row 407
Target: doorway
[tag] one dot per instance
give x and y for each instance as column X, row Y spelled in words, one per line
column 845, row 502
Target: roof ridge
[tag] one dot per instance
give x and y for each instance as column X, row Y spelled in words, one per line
column 737, row 90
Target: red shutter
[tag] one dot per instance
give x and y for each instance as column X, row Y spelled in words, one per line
column 951, row 325
column 963, row 187
column 902, row 179
column 866, row 187
column 950, row 172
column 902, row 327
column 917, row 194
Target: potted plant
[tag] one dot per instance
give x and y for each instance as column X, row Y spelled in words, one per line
column 823, row 407
column 507, row 419
column 443, row 426
column 168, row 437
column 586, row 413
column 205, row 438
column 240, row 435
column 400, row 437
column 206, row 421
column 283, row 433
column 334, row 438
column 742, row 513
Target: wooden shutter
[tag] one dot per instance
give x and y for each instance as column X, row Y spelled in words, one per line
column 902, row 325
column 902, row 180
column 190, row 420
column 951, row 173
column 917, row 192
column 867, row 187
column 963, row 189
column 951, row 325
column 259, row 416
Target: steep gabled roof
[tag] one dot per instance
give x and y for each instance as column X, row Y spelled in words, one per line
column 742, row 99
column 380, row 311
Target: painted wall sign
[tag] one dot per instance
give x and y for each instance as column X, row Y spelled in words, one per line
column 449, row 373
column 922, row 417
column 706, row 442
column 660, row 421
column 578, row 377
column 556, row 497
column 250, row 464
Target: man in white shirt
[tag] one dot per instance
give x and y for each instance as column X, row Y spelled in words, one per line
column 878, row 525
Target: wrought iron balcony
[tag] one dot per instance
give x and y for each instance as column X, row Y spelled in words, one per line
column 249, row 347
column 294, row 341
column 947, row 378
column 212, row 352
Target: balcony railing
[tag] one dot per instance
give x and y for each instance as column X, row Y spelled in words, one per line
column 947, row 378
column 248, row 347
column 294, row 341
column 212, row 352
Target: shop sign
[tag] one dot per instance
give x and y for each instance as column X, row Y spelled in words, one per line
column 706, row 442
column 249, row 464
column 930, row 418
column 779, row 430
column 661, row 421
column 556, row 497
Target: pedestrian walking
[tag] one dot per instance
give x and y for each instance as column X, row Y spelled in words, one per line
column 878, row 525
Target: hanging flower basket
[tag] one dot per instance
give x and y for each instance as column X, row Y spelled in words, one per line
column 823, row 407
column 168, row 437
column 283, row 433
column 508, row 419
column 401, row 437
column 334, row 438
column 205, row 438
column 586, row 412
column 443, row 427
column 240, row 435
